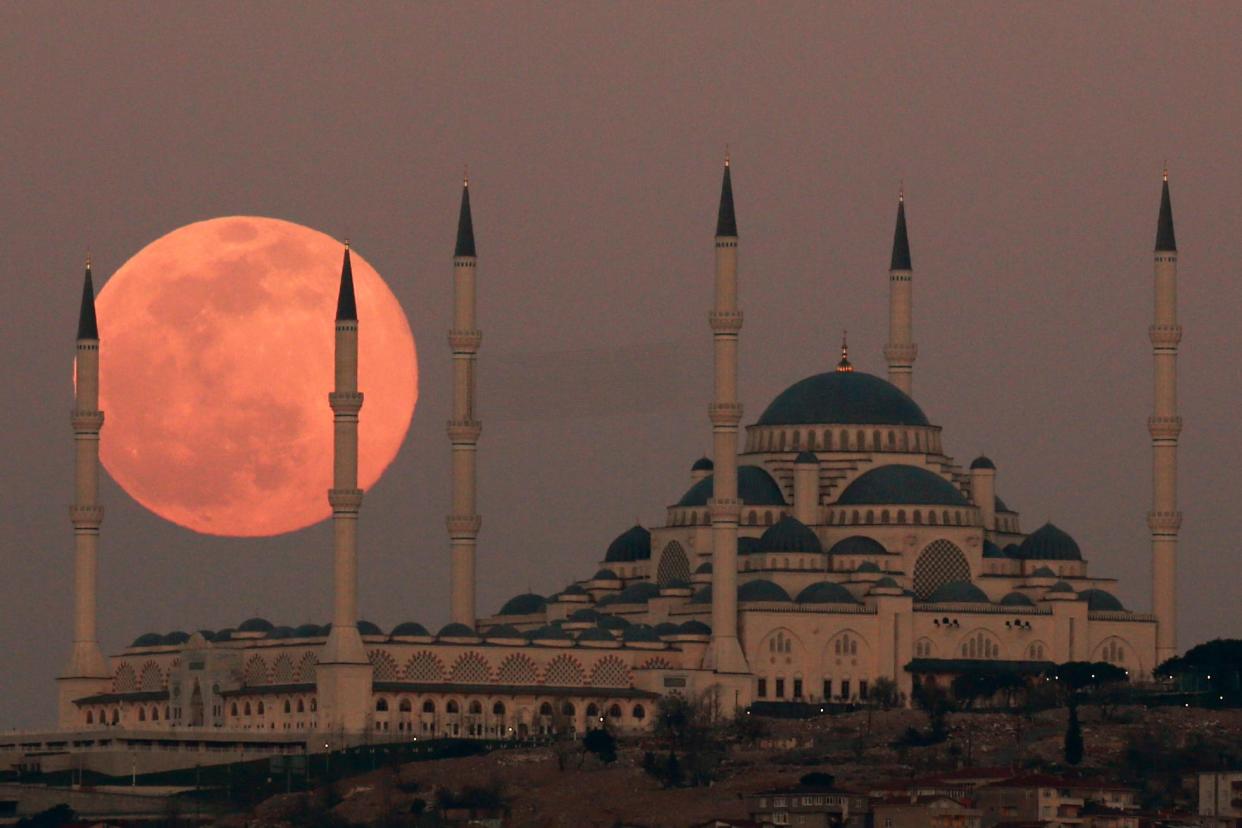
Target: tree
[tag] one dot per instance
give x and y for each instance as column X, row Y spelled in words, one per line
column 53, row 817
column 1073, row 738
column 883, row 693
column 817, row 779
column 601, row 744
column 688, row 730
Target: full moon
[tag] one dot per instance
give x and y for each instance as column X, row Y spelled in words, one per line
column 216, row 350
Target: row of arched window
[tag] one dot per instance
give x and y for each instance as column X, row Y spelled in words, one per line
column 844, row 439
column 915, row 517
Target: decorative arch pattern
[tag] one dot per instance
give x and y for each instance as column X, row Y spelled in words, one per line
column 980, row 644
column 1037, row 651
column 518, row 669
column 424, row 666
column 939, row 563
column 471, row 668
column 564, row 671
column 256, row 671
column 674, row 565
column 384, row 666
column 306, row 667
column 610, row 671
column 124, row 680
column 282, row 670
column 924, row 648
column 1114, row 650
column 656, row 663
column 152, row 677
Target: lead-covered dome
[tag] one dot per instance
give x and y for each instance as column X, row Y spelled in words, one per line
column 900, row 484
column 634, row 544
column 1099, row 600
column 958, row 592
column 826, row 592
column 789, row 535
column 1049, row 543
column 761, row 590
column 755, row 487
column 527, row 603
column 845, row 397
column 858, row 545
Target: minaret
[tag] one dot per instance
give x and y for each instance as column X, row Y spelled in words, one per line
column 725, row 412
column 464, row 428
column 900, row 352
column 344, row 673
column 1165, row 425
column 87, row 671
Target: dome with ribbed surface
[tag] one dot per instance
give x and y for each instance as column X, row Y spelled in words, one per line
column 1099, row 600
column 958, row 592
column 761, row 590
column 408, row 628
column 843, row 397
column 857, row 545
column 456, row 630
column 1049, row 543
column 755, row 487
column 789, row 535
column 634, row 544
column 703, row 464
column 991, row 550
column 527, row 603
column 826, row 592
column 900, row 484
column 1016, row 599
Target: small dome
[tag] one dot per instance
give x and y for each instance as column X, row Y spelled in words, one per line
column 790, row 535
column 573, row 589
column 846, row 397
column 703, row 464
column 806, row 458
column 148, row 640
column 982, row 462
column 605, row 575
column 456, row 630
column 281, row 632
column 260, row 625
column 408, row 628
column 1061, row 586
column 1099, row 600
column 208, row 635
column 676, row 583
column 634, row 544
column 958, row 592
column 693, row 627
column 1016, row 599
column 550, row 632
column 704, row 568
column 606, row 600
column 899, row 484
column 867, row 566
column 748, row 546
column 503, row 631
column 1049, row 543
column 596, row 634
column 886, row 582
column 1044, row 572
column 991, row 550
column 1012, row 550
column 586, row 615
column 666, row 628
column 761, row 590
column 176, row 637
column 527, row 603
column 226, row 634
column 826, row 592
column 857, row 545
column 368, row 628
column 639, row 632
column 639, row 593
column 612, row 622
column 755, row 487
column 703, row 596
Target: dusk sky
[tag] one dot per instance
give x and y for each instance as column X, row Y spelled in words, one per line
column 1030, row 139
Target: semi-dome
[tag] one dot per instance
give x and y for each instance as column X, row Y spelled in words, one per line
column 693, row 627
column 549, row 632
column 612, row 622
column 1049, row 543
column 596, row 634
column 806, row 458
column 150, row 639
column 503, row 631
column 639, row 593
column 666, row 628
column 605, row 575
column 175, row 637
column 901, row 484
column 1099, row 600
column 634, row 544
column 789, row 535
column 748, row 546
column 227, row 634
column 456, row 630
column 826, row 592
column 858, row 545
column 703, row 464
column 991, row 550
column 1016, row 599
column 208, row 635
column 755, row 487
column 260, row 625
column 982, row 462
column 703, row 596
column 1061, row 586
column 845, row 397
column 639, row 632
column 1044, row 572
column 958, row 592
column 761, row 590
column 527, row 603
column 868, row 566
column 285, row 632
column 368, row 628
column 408, row 628
column 704, row 568
column 574, row 589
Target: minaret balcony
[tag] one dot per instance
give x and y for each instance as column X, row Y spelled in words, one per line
column 901, row 354
column 463, row 527
column 86, row 518
column 87, row 422
column 345, row 501
column 726, row 509
column 1164, row 428
column 1165, row 336
column 345, row 402
column 462, row 432
column 465, row 341
column 725, row 322
column 725, row 414
column 1164, row 523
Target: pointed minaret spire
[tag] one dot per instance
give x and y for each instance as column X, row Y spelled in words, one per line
column 346, row 307
column 465, row 224
column 88, row 327
column 726, row 220
column 901, row 244
column 1165, row 240
column 844, row 366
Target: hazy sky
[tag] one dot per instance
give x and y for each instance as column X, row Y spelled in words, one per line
column 1030, row 138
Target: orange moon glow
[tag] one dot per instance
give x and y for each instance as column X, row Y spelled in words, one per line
column 216, row 349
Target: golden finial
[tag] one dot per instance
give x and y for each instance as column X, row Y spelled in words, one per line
column 844, row 366
column 726, row 155
column 347, row 244
column 465, row 176
column 901, row 191
column 1166, row 169
column 88, row 260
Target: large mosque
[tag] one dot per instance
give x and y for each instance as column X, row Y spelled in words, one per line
column 835, row 546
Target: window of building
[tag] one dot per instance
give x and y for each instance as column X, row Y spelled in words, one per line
column 780, row 688
column 640, row 712
column 452, row 707
column 845, row 688
column 763, row 688
column 429, row 706
column 614, row 712
column 827, row 689
column 498, row 709
column 797, row 688
column 862, row 688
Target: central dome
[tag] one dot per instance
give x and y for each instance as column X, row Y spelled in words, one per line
column 847, row 397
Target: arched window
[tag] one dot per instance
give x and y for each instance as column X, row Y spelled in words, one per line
column 592, row 711
column 795, row 442
column 884, row 516
column 452, row 707
column 260, row 711
column 233, row 709
column 545, row 709
column 767, row 518
column 931, row 518
column 567, row 709
column 870, row 516
column 289, row 706
column 429, row 706
column 116, row 716
column 918, row 518
column 614, row 712
column 142, row 714
column 90, row 717
column 640, row 712
column 892, row 441
column 498, row 709
column 475, row 708
column 246, row 708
